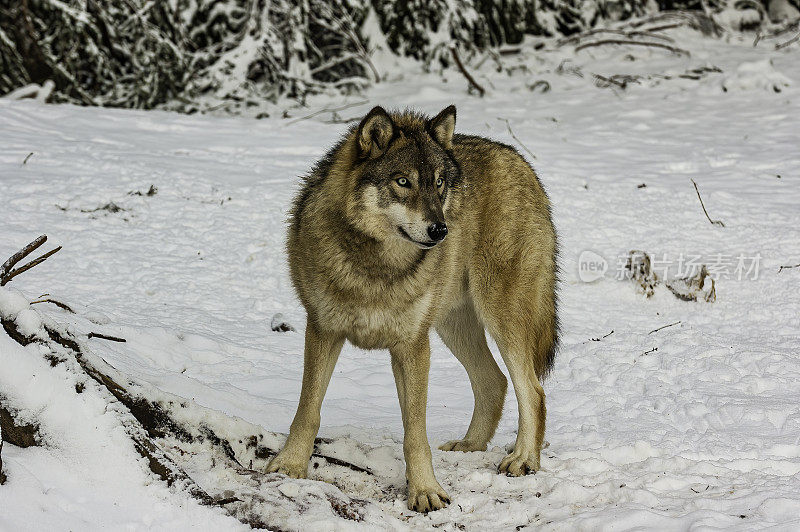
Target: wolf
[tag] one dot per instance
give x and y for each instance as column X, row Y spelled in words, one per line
column 403, row 227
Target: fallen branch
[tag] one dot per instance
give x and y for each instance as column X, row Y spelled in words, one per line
column 602, row 337
column 511, row 132
column 788, row 43
column 472, row 83
column 713, row 222
column 54, row 302
column 788, row 267
column 673, row 49
column 326, row 110
column 664, row 327
column 26, row 158
column 157, row 425
column 696, row 20
column 106, row 337
column 792, row 25
column 6, row 272
column 620, row 80
column 625, row 33
column 663, row 27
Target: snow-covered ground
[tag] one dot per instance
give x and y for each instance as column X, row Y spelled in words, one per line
column 693, row 426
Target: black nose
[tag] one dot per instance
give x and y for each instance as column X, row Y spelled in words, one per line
column 437, row 231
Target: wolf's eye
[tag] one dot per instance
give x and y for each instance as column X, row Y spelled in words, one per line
column 439, row 182
column 402, row 181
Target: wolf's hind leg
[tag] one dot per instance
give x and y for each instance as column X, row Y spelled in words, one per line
column 462, row 332
column 525, row 458
column 321, row 352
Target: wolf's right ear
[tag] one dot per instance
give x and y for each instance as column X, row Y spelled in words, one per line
column 375, row 132
column 441, row 127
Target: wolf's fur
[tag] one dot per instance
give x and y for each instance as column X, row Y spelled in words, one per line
column 366, row 271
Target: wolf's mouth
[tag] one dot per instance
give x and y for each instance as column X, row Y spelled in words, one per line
column 423, row 245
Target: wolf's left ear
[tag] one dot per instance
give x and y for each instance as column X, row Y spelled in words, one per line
column 375, row 132
column 442, row 125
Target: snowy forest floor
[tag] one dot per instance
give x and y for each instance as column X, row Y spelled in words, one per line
column 696, row 425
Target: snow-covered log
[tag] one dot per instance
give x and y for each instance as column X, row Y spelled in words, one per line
column 216, row 459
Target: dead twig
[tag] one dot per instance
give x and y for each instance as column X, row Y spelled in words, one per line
column 713, row 222
column 788, row 43
column 664, row 327
column 106, row 337
column 326, row 110
column 54, row 302
column 6, row 273
column 620, row 80
column 342, row 463
column 474, row 84
column 788, row 267
column 511, row 132
column 650, row 351
column 647, row 32
column 600, row 338
column 606, row 336
column 701, row 22
column 26, row 158
column 662, row 27
column 673, row 49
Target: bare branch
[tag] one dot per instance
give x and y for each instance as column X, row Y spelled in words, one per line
column 788, row 267
column 326, row 110
column 6, row 276
column 54, row 302
column 664, row 327
column 788, row 43
column 474, row 84
column 602, row 337
column 673, row 49
column 21, row 254
column 713, row 222
column 508, row 125
column 648, row 32
column 106, row 337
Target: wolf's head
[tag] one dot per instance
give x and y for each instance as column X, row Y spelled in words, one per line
column 405, row 172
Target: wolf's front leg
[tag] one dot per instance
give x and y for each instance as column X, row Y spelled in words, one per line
column 410, row 364
column 321, row 352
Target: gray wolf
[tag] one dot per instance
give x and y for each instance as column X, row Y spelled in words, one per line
column 404, row 227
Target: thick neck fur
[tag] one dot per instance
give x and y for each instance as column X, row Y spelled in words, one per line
column 387, row 260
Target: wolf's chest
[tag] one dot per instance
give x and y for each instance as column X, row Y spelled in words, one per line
column 377, row 324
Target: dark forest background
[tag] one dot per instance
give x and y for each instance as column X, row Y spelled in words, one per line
column 178, row 53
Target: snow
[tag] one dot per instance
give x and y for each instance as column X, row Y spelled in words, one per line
column 696, row 425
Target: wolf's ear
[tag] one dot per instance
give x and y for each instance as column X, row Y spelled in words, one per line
column 442, row 125
column 375, row 132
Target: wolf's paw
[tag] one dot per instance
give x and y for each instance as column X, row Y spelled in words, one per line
column 518, row 464
column 427, row 499
column 462, row 445
column 291, row 469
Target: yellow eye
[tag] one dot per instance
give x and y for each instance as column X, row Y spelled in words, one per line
column 439, row 182
column 402, row 181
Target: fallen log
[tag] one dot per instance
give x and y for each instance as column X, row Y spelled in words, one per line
column 168, row 430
